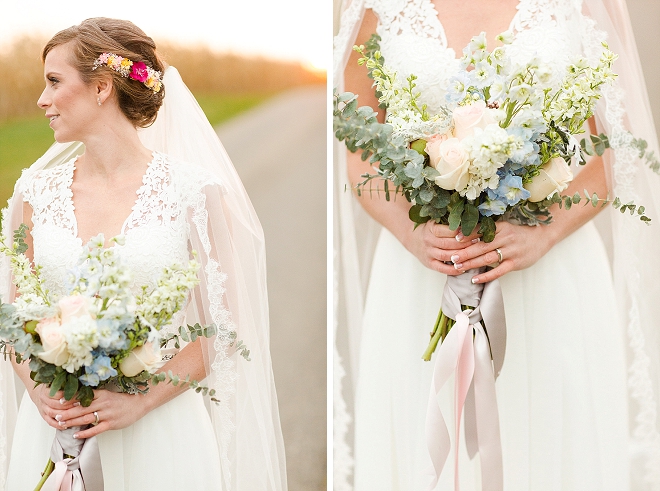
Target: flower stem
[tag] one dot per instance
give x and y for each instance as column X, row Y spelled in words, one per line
column 44, row 475
column 439, row 332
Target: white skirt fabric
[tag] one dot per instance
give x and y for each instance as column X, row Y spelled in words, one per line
column 561, row 394
column 172, row 448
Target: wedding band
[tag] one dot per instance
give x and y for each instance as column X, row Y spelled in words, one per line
column 499, row 254
column 96, row 419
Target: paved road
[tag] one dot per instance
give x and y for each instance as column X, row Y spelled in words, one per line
column 279, row 150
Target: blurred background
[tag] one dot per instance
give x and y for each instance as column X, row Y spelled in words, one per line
column 259, row 72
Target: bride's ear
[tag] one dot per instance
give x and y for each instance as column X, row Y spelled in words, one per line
column 103, row 88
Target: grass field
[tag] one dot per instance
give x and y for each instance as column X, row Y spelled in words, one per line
column 24, row 140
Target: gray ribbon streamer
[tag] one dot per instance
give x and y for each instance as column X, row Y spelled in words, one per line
column 83, row 471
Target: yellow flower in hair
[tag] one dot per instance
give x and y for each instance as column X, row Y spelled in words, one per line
column 126, row 62
column 150, row 82
column 111, row 60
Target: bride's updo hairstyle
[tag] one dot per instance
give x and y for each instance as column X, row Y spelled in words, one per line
column 99, row 35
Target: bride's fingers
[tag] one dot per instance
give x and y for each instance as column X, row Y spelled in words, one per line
column 94, row 430
column 83, row 420
column 504, row 267
column 444, row 268
column 48, row 415
column 486, row 259
column 474, row 251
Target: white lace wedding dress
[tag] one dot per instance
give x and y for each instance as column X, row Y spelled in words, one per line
column 174, row 446
column 562, row 392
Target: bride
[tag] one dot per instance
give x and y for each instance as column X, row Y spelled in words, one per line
column 136, row 156
column 578, row 391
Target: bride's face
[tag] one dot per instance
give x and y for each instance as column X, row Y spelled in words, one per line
column 70, row 104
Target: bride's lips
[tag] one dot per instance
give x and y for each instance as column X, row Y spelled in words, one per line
column 52, row 118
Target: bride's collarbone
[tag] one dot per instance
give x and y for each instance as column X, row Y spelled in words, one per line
column 103, row 209
column 461, row 20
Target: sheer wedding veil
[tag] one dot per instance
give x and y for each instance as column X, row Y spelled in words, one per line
column 624, row 110
column 227, row 235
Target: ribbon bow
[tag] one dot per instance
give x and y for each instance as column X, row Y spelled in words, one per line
column 80, row 472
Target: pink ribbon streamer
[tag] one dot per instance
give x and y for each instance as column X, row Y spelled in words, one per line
column 475, row 360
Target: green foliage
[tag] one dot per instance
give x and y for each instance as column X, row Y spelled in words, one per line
column 596, row 145
column 174, row 379
column 189, row 334
column 20, row 235
column 648, row 155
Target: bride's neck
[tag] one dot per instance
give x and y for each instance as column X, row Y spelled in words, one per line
column 113, row 151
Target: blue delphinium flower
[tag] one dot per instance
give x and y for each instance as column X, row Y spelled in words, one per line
column 101, row 369
column 510, row 191
column 492, row 207
column 90, row 379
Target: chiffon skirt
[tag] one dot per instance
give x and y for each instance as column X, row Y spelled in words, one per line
column 562, row 394
column 172, row 448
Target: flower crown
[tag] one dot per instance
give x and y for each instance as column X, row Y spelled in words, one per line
column 127, row 68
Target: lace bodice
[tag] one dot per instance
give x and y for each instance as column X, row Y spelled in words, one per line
column 156, row 231
column 413, row 40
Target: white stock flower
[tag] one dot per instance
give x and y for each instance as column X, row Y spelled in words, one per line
column 506, row 37
column 82, row 337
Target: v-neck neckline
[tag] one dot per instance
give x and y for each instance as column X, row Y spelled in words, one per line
column 138, row 196
column 443, row 34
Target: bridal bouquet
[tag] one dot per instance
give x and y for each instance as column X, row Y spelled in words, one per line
column 499, row 148
column 99, row 335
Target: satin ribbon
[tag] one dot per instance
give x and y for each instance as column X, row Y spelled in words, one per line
column 80, row 473
column 475, row 356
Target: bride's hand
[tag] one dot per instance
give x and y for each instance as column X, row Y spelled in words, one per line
column 115, row 411
column 435, row 244
column 520, row 247
column 50, row 407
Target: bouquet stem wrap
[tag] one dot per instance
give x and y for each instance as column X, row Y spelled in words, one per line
column 77, row 463
column 475, row 356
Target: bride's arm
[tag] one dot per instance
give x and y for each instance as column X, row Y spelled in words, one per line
column 119, row 410
column 46, row 405
column 520, row 245
column 431, row 243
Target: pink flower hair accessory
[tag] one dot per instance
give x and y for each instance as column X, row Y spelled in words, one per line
column 135, row 70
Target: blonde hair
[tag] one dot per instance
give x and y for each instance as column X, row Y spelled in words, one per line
column 103, row 35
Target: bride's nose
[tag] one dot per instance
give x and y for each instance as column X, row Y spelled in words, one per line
column 44, row 101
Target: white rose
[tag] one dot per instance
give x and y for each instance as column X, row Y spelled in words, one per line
column 52, row 339
column 141, row 358
column 73, row 306
column 451, row 160
column 555, row 175
column 467, row 118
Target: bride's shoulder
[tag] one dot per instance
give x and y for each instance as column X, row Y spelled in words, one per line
column 189, row 177
column 36, row 178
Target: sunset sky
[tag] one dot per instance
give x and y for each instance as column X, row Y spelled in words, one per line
column 286, row 29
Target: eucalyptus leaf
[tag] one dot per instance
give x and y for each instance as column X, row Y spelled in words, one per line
column 469, row 219
column 414, row 215
column 487, row 229
column 57, row 383
column 70, row 387
column 455, row 213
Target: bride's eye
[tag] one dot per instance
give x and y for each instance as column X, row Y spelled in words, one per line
column 53, row 80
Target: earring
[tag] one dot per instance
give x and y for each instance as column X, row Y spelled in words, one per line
column 98, row 100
